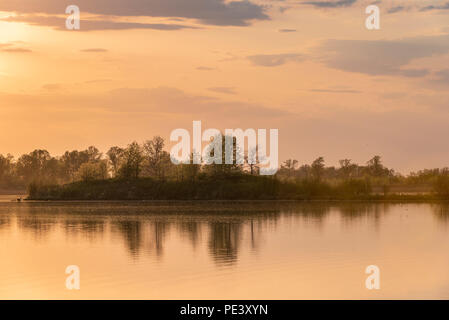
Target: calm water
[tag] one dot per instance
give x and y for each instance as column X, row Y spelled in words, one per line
column 256, row 250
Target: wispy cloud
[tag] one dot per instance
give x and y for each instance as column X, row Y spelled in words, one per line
column 52, row 86
column 443, row 75
column 212, row 12
column 17, row 50
column 58, row 23
column 382, row 57
column 225, row 90
column 202, row 68
column 330, row 4
column 396, row 9
column 12, row 47
column 94, row 50
column 171, row 100
column 287, row 30
column 440, row 78
column 444, row 6
column 274, row 60
column 413, row 73
column 334, row 91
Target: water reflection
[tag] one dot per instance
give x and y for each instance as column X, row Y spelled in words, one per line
column 158, row 232
column 91, row 229
column 144, row 228
column 177, row 245
column 255, row 230
column 131, row 231
column 224, row 241
column 5, row 222
column 192, row 230
column 441, row 212
column 39, row 227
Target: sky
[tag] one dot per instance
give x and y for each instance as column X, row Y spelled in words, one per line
column 309, row 68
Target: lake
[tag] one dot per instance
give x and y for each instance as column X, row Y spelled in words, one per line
column 223, row 250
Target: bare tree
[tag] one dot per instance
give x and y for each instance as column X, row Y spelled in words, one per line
column 154, row 153
column 115, row 155
column 318, row 168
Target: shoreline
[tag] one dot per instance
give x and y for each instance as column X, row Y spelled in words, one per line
column 373, row 200
column 237, row 188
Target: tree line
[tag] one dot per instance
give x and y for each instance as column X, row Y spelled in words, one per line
column 151, row 160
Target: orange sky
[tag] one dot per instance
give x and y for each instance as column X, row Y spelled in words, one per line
column 310, row 69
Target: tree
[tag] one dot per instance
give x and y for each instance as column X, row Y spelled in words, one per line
column 252, row 161
column 375, row 167
column 132, row 161
column 153, row 150
column 318, row 168
column 290, row 164
column 6, row 170
column 441, row 186
column 72, row 161
column 93, row 154
column 90, row 171
column 346, row 168
column 31, row 167
column 115, row 155
column 192, row 170
column 223, row 169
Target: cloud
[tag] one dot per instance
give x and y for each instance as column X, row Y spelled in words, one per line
column 225, row 90
column 97, row 81
column 330, row 4
column 52, row 86
column 413, row 73
column 202, row 68
column 401, row 139
column 174, row 101
column 443, row 75
column 287, row 30
column 274, row 60
column 440, row 78
column 396, row 9
column 382, row 57
column 18, row 50
column 65, row 121
column 91, row 25
column 11, row 48
column 435, row 7
column 94, row 50
column 212, row 12
column 145, row 101
column 334, row 91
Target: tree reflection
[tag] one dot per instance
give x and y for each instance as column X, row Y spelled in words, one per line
column 5, row 222
column 131, row 231
column 192, row 229
column 224, row 241
column 87, row 228
column 40, row 227
column 155, row 238
column 230, row 227
column 441, row 212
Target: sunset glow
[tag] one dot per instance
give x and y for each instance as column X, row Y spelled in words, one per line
column 330, row 85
